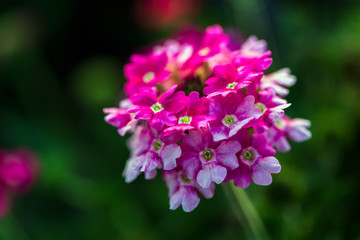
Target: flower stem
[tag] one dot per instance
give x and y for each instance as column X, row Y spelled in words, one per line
column 245, row 213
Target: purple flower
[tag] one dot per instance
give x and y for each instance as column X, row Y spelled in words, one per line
column 18, row 169
column 159, row 111
column 229, row 79
column 207, row 161
column 145, row 71
column 120, row 119
column 182, row 190
column 232, row 115
column 138, row 145
column 279, row 80
column 272, row 109
column 194, row 116
column 156, row 150
column 294, row 129
column 214, row 43
column 256, row 161
column 254, row 46
column 196, row 141
column 177, row 54
column 252, row 56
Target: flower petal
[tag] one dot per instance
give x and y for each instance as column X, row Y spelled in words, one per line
column 241, row 176
column 226, row 154
column 169, row 154
column 152, row 160
column 191, row 164
column 190, row 200
column 177, row 198
column 203, row 178
column 218, row 173
column 219, row 131
column 174, row 103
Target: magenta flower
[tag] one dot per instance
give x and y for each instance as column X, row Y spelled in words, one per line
column 252, row 56
column 145, row 71
column 214, row 41
column 253, row 46
column 256, row 161
column 177, row 54
column 229, row 79
column 159, row 111
column 182, row 190
column 294, row 129
column 18, row 171
column 137, row 149
column 194, row 116
column 156, row 149
column 120, row 119
column 232, row 115
column 271, row 106
column 279, row 80
column 196, row 141
column 207, row 161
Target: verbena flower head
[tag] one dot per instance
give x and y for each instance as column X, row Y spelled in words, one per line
column 204, row 113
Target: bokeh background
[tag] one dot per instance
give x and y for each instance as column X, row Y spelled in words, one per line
column 61, row 63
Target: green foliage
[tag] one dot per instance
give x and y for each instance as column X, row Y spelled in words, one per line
column 61, row 63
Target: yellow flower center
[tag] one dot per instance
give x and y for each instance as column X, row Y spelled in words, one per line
column 148, row 77
column 185, row 119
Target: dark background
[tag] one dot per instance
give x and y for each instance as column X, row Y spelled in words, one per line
column 61, row 63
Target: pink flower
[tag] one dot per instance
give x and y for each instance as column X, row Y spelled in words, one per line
column 228, row 79
column 145, row 71
column 207, row 161
column 294, row 129
column 253, row 46
column 194, row 116
column 232, row 115
column 191, row 35
column 279, row 80
column 196, row 141
column 156, row 149
column 118, row 118
column 159, row 111
column 271, row 106
column 214, row 42
column 18, row 169
column 178, row 57
column 256, row 161
column 252, row 56
column 182, row 190
column 138, row 145
column 176, row 53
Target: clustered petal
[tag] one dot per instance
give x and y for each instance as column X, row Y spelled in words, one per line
column 203, row 113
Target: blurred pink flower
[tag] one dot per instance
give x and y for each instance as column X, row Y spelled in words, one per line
column 18, row 171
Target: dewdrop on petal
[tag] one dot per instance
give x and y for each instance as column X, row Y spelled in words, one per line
column 202, row 114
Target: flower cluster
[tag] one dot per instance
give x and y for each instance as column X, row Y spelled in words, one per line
column 205, row 113
column 18, row 169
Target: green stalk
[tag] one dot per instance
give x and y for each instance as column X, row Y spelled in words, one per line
column 245, row 212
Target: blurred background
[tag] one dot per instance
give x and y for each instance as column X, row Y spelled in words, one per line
column 61, row 62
